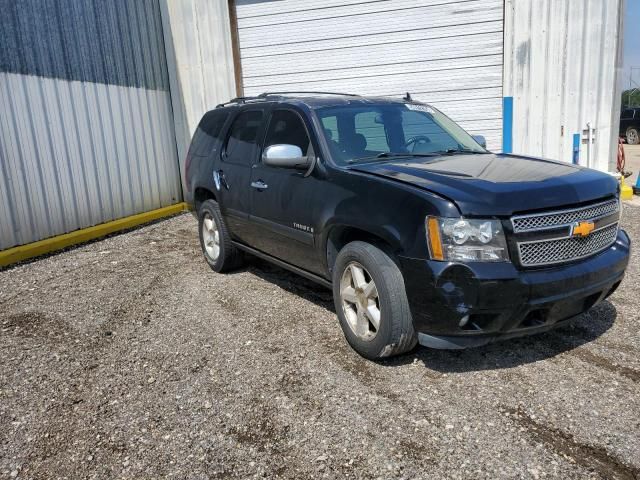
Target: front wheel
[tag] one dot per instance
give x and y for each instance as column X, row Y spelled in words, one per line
column 371, row 302
column 633, row 136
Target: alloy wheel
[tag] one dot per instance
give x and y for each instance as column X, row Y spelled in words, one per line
column 360, row 302
column 211, row 237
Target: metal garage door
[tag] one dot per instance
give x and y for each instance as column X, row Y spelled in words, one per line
column 445, row 52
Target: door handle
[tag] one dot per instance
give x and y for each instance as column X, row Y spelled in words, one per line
column 260, row 185
column 218, row 179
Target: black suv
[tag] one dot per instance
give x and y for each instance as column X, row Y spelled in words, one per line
column 630, row 125
column 423, row 235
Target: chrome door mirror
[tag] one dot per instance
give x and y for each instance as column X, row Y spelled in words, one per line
column 285, row 156
column 481, row 140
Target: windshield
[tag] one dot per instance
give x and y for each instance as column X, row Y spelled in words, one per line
column 364, row 133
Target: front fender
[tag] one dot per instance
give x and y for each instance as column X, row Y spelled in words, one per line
column 391, row 211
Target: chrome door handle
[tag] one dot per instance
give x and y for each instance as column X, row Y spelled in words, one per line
column 260, row 185
column 218, row 179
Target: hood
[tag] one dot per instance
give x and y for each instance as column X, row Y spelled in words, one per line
column 498, row 185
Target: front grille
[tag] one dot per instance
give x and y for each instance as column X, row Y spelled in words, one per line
column 546, row 252
column 541, row 221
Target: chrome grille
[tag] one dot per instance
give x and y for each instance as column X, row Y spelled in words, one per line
column 546, row 252
column 541, row 221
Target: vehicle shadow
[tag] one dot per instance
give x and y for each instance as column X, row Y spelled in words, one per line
column 290, row 282
column 505, row 354
column 511, row 353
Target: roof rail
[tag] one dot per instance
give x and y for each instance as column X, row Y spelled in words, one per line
column 267, row 94
column 235, row 100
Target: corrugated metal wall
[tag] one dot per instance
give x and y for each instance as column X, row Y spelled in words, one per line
column 198, row 43
column 86, row 131
column 445, row 52
column 562, row 66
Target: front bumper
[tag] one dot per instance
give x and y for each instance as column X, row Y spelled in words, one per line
column 463, row 305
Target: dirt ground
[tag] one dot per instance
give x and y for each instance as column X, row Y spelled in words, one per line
column 130, row 358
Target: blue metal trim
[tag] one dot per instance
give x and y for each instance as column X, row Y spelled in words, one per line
column 576, row 149
column 507, row 125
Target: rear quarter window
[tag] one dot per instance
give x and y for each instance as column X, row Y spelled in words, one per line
column 207, row 134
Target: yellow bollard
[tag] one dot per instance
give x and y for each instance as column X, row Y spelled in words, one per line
column 626, row 192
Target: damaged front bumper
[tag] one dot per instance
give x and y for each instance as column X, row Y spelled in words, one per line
column 458, row 305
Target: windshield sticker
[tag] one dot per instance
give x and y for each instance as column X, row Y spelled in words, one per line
column 419, row 108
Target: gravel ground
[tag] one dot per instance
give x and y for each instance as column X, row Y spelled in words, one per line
column 130, row 358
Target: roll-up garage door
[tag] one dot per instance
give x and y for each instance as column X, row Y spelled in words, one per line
column 447, row 53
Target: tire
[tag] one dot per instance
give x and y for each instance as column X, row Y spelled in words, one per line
column 633, row 136
column 394, row 333
column 221, row 255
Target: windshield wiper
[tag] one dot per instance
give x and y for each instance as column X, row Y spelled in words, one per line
column 457, row 150
column 393, row 155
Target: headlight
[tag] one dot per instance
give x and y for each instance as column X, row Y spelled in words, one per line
column 466, row 240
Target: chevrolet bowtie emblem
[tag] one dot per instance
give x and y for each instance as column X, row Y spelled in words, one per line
column 582, row 229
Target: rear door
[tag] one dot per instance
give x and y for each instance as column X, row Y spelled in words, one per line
column 285, row 202
column 239, row 153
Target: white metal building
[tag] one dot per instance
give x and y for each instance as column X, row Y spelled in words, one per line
column 87, row 133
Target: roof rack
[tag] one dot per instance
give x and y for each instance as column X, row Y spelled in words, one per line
column 266, row 95
column 235, row 100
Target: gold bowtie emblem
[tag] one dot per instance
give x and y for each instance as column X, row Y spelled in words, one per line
column 582, row 229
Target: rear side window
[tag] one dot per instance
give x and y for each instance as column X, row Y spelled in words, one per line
column 287, row 127
column 208, row 133
column 242, row 142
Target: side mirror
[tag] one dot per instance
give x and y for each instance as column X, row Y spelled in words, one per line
column 481, row 140
column 285, row 156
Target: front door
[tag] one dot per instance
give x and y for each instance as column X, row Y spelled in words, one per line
column 284, row 208
column 239, row 153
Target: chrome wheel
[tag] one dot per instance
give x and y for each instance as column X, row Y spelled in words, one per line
column 632, row 137
column 360, row 302
column 211, row 237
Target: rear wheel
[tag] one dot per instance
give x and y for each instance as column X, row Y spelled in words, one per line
column 215, row 239
column 371, row 302
column 633, row 136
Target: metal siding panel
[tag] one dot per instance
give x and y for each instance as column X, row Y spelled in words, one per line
column 107, row 41
column 76, row 154
column 449, row 53
column 567, row 78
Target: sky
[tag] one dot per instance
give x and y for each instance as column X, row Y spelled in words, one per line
column 631, row 45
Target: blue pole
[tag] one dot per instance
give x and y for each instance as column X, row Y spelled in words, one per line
column 576, row 149
column 507, row 125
